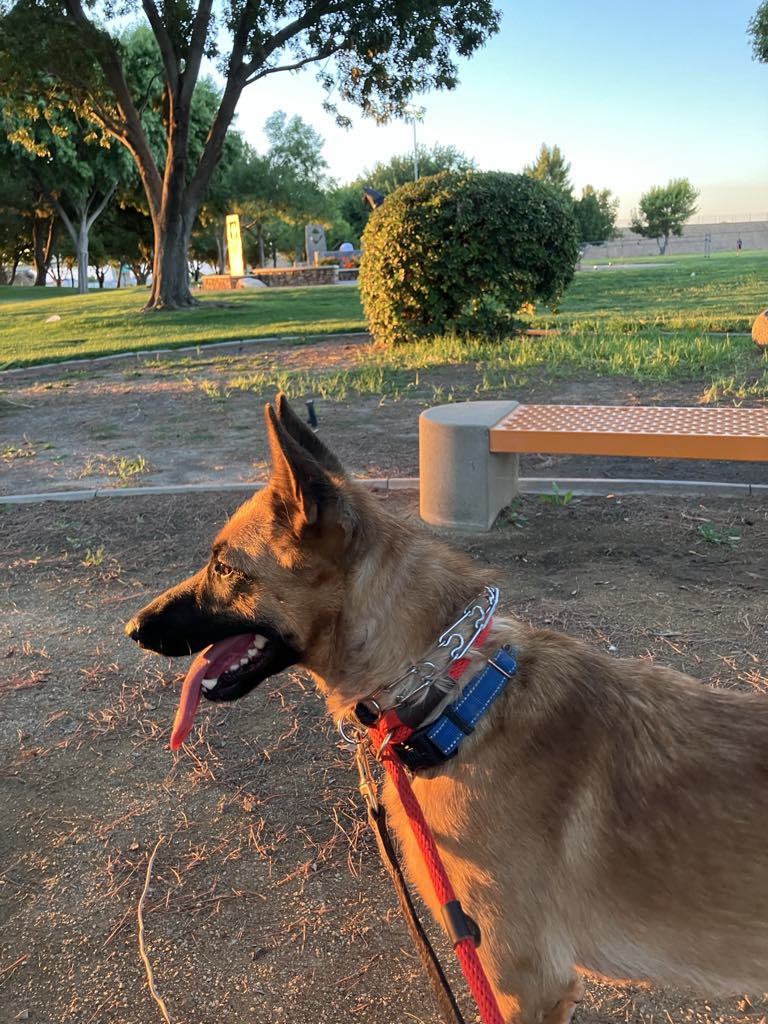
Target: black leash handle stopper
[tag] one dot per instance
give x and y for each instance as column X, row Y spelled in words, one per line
column 458, row 924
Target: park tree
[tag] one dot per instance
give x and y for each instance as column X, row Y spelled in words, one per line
column 73, row 165
column 758, row 31
column 347, row 203
column 373, row 53
column 15, row 238
column 595, row 214
column 292, row 189
column 20, row 193
column 551, row 166
column 123, row 238
column 663, row 211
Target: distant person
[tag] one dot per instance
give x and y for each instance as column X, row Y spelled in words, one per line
column 738, row 245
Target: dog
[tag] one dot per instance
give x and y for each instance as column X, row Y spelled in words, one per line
column 605, row 816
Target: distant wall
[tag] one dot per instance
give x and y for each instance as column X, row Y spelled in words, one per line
column 753, row 235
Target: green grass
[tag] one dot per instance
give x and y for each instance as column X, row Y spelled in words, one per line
column 102, row 323
column 729, row 367
column 724, row 293
column 650, row 323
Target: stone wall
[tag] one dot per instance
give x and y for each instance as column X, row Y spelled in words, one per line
column 292, row 277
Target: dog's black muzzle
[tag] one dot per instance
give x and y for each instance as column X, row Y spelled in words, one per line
column 181, row 622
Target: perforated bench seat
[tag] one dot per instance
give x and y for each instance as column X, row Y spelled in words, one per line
column 643, row 431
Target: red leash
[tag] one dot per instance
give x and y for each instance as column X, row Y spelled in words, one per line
column 388, row 731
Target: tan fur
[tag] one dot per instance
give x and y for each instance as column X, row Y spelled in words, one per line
column 606, row 816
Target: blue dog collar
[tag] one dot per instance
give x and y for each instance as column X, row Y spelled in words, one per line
column 441, row 739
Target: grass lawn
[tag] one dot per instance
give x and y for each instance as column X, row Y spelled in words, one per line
column 644, row 321
column 105, row 322
column 723, row 293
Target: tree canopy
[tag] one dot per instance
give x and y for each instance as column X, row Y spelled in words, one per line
column 758, row 30
column 551, row 166
column 385, row 177
column 595, row 214
column 73, row 165
column 663, row 211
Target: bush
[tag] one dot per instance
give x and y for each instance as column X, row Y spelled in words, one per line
column 464, row 252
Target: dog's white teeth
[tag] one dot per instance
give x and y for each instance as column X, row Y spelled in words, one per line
column 260, row 642
column 208, row 684
column 244, row 661
column 251, row 651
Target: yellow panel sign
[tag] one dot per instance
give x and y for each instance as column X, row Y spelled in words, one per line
column 234, row 246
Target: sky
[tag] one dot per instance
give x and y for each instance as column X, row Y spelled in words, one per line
column 634, row 93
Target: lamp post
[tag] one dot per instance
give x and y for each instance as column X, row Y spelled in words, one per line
column 412, row 115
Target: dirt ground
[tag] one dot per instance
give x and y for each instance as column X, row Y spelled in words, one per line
column 181, row 420
column 266, row 901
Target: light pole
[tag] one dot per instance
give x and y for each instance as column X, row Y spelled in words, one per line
column 412, row 115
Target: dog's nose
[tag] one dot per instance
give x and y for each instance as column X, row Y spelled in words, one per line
column 133, row 629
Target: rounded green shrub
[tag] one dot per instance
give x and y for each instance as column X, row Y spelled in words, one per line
column 464, row 252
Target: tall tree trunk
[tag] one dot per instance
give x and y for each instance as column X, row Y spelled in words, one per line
column 170, row 270
column 221, row 252
column 260, row 238
column 174, row 220
column 82, row 256
column 42, row 243
column 16, row 262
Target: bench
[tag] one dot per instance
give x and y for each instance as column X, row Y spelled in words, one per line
column 469, row 452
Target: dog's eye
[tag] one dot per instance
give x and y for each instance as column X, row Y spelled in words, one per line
column 221, row 569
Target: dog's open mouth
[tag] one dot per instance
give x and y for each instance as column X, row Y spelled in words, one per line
column 222, row 672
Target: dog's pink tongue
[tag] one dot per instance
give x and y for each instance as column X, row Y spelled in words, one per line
column 191, row 691
column 208, row 664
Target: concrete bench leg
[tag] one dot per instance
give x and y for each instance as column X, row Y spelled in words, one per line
column 462, row 485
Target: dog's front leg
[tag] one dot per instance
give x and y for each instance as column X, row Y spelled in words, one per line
column 525, row 998
column 563, row 1010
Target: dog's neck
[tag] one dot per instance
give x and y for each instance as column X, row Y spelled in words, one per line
column 398, row 599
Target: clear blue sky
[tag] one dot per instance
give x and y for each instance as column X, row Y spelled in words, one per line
column 633, row 92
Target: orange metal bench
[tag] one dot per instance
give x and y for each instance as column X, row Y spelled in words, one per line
column 652, row 432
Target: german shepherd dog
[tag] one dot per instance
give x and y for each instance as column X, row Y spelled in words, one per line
column 605, row 816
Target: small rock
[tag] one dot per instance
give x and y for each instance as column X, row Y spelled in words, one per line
column 22, row 1015
column 53, row 319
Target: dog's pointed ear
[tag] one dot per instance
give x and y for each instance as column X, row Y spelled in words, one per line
column 302, row 484
column 301, row 433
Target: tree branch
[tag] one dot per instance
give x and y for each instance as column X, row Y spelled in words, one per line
column 215, row 141
column 167, row 52
column 239, row 72
column 54, row 200
column 312, row 15
column 100, row 208
column 329, row 52
column 195, row 55
column 133, row 137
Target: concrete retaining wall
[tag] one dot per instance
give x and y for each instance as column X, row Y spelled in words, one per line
column 724, row 236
